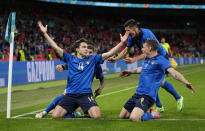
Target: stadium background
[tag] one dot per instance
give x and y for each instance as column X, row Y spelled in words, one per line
column 183, row 29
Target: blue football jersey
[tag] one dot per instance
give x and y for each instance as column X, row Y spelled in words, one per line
column 146, row 34
column 80, row 72
column 152, row 75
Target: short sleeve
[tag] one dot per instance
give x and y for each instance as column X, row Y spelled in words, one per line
column 98, row 59
column 66, row 57
column 129, row 42
column 99, row 72
column 164, row 63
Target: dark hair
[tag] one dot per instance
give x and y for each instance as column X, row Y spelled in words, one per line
column 91, row 47
column 78, row 42
column 153, row 44
column 130, row 23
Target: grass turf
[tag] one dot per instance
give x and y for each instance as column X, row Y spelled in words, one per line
column 32, row 97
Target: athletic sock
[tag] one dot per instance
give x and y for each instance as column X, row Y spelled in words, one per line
column 147, row 116
column 168, row 87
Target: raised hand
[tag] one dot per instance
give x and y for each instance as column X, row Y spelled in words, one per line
column 125, row 37
column 42, row 28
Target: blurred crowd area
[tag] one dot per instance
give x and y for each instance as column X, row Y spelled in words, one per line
column 186, row 37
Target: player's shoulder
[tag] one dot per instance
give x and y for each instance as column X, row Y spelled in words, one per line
column 146, row 30
column 161, row 58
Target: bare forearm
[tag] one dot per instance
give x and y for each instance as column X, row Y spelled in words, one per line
column 122, row 54
column 178, row 76
column 140, row 57
column 112, row 51
column 53, row 45
column 102, row 83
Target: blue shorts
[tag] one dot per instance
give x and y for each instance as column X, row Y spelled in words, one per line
column 70, row 102
column 143, row 102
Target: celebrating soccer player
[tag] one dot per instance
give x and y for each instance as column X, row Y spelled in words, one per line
column 80, row 76
column 151, row 77
column 137, row 36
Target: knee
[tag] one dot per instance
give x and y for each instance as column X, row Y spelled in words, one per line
column 55, row 116
column 123, row 116
column 96, row 116
column 135, row 119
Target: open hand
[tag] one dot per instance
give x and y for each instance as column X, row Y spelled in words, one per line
column 190, row 87
column 42, row 28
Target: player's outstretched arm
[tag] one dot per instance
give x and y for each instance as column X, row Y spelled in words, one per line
column 117, row 47
column 180, row 77
column 50, row 41
column 134, row 59
column 126, row 73
column 121, row 55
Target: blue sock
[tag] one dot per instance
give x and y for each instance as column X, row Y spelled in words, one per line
column 168, row 87
column 54, row 103
column 69, row 115
column 147, row 116
column 158, row 102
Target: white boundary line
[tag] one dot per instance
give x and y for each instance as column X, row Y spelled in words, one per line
column 27, row 113
column 171, row 119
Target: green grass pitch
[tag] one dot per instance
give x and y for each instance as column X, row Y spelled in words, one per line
column 34, row 97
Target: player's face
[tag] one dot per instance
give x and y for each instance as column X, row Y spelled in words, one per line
column 146, row 49
column 83, row 49
column 131, row 30
column 90, row 52
column 163, row 40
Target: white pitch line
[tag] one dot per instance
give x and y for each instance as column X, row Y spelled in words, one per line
column 97, row 97
column 113, row 119
column 26, row 113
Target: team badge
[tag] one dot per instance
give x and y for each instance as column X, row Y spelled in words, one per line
column 88, row 62
column 153, row 62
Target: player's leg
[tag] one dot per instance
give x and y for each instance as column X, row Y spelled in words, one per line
column 143, row 103
column 128, row 107
column 94, row 112
column 124, row 114
column 59, row 112
column 65, row 107
column 159, row 106
column 169, row 88
column 89, row 105
column 50, row 107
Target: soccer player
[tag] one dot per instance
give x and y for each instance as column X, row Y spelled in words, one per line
column 98, row 74
column 80, row 76
column 138, row 36
column 151, row 77
column 98, row 71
